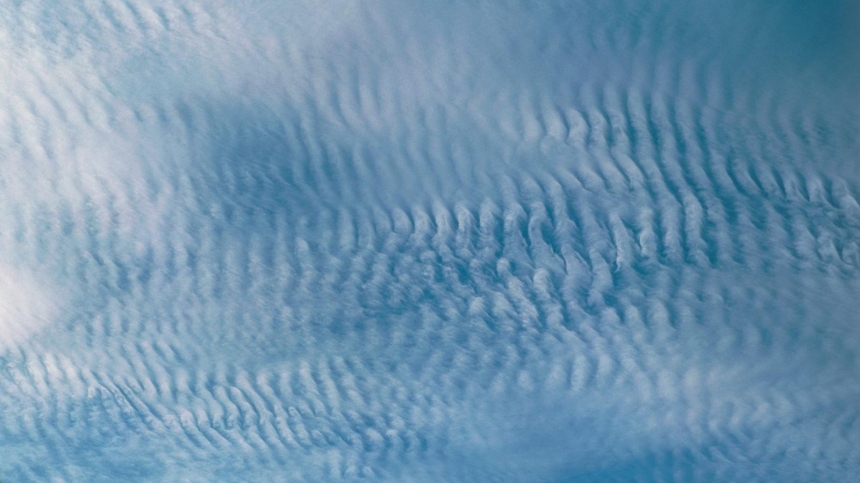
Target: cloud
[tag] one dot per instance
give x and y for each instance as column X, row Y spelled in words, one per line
column 327, row 241
column 27, row 305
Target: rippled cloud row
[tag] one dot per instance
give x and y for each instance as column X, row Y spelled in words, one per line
column 421, row 242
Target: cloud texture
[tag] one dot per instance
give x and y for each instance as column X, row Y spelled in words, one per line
column 558, row 241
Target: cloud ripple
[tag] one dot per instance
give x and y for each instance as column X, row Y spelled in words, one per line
column 467, row 241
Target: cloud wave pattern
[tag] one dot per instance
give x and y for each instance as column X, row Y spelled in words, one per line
column 499, row 241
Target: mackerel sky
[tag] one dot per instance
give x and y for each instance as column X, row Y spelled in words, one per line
column 471, row 241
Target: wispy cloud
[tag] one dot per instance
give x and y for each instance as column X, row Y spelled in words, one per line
column 487, row 241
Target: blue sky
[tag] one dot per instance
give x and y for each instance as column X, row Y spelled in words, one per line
column 614, row 240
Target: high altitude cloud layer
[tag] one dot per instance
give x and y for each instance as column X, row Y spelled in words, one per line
column 611, row 240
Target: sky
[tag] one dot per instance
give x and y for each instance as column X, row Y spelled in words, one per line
column 450, row 241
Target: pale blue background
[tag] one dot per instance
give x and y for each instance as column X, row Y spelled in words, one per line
column 465, row 241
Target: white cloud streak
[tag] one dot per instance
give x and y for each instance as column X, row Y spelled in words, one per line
column 486, row 241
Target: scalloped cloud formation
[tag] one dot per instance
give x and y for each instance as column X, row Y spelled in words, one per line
column 562, row 241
